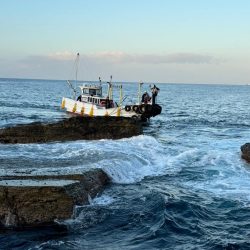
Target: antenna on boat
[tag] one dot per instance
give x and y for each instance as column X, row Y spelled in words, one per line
column 76, row 64
column 100, row 81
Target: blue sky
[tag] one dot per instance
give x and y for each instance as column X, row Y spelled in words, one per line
column 191, row 41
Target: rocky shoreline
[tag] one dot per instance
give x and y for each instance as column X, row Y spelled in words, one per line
column 33, row 201
column 74, row 128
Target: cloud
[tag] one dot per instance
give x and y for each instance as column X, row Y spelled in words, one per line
column 179, row 58
column 61, row 63
column 122, row 57
column 61, row 56
column 125, row 66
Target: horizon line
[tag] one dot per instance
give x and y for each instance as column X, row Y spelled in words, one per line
column 144, row 82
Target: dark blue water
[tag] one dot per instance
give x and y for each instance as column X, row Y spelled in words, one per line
column 180, row 185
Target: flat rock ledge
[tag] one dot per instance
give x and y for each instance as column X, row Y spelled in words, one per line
column 245, row 149
column 33, row 201
column 74, row 128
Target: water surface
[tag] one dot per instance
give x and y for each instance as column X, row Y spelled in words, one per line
column 180, row 185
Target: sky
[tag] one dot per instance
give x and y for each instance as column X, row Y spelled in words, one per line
column 168, row 41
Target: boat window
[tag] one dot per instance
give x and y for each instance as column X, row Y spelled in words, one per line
column 85, row 91
column 92, row 91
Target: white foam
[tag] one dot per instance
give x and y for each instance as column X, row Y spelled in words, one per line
column 102, row 200
column 125, row 160
column 225, row 175
column 136, row 158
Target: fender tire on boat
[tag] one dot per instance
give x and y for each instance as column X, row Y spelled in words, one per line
column 127, row 108
column 135, row 108
column 135, row 118
column 142, row 109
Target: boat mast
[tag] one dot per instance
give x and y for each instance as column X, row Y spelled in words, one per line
column 100, row 82
column 139, row 92
column 76, row 72
column 110, row 89
column 121, row 95
column 76, row 66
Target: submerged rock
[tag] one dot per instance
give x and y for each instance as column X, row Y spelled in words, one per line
column 74, row 128
column 245, row 149
column 28, row 201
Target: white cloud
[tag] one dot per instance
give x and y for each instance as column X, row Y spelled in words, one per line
column 180, row 58
column 65, row 55
column 122, row 57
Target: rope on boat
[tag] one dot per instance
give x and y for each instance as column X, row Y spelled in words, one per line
column 118, row 108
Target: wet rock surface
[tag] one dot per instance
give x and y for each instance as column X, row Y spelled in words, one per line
column 30, row 201
column 74, row 128
column 245, row 149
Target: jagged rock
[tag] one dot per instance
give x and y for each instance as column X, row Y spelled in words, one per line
column 28, row 201
column 74, row 128
column 245, row 149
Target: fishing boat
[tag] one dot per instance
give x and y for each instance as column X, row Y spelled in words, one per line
column 93, row 102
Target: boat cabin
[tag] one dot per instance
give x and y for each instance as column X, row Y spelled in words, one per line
column 91, row 90
column 93, row 94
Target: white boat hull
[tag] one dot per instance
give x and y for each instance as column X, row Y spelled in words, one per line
column 88, row 109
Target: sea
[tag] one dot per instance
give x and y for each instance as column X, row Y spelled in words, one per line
column 180, row 185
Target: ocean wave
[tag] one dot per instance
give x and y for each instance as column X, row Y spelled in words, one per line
column 125, row 160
